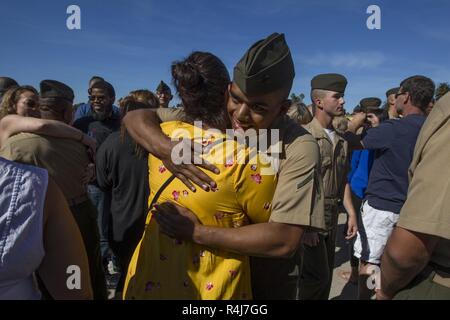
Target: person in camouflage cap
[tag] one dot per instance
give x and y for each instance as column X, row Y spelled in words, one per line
column 164, row 94
column 390, row 103
column 369, row 104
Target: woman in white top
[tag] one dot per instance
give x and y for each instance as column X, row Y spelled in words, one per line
column 38, row 234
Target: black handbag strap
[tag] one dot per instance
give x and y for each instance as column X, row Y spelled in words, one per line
column 161, row 189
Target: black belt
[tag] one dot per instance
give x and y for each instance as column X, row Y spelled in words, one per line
column 438, row 274
column 439, row 269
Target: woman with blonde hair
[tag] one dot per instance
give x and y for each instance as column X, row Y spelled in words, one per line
column 20, row 100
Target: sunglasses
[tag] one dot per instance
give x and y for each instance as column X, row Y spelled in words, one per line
column 399, row 94
column 99, row 98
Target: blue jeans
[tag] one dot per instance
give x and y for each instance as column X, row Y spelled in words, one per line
column 98, row 198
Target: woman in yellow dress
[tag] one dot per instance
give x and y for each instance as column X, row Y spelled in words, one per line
column 165, row 268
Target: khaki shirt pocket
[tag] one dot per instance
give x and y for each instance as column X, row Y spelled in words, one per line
column 326, row 163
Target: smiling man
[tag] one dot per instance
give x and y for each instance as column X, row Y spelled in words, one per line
column 85, row 109
column 99, row 124
column 164, row 94
column 257, row 99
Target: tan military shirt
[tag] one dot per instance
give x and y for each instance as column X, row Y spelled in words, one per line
column 298, row 197
column 170, row 114
column 427, row 207
column 66, row 160
column 334, row 168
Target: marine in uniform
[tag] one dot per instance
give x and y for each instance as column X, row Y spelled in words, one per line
column 318, row 257
column 369, row 104
column 164, row 94
column 390, row 103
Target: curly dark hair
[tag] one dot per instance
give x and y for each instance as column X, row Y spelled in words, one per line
column 420, row 89
column 201, row 81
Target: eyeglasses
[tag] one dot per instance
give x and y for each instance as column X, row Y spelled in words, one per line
column 399, row 94
column 99, row 98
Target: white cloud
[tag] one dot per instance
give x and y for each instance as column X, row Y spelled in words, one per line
column 439, row 34
column 357, row 60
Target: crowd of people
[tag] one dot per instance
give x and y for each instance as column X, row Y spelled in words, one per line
column 100, row 187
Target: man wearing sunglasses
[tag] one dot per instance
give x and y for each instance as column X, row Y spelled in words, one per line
column 99, row 124
column 85, row 109
column 393, row 142
column 416, row 261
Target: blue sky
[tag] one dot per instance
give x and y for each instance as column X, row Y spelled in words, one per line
column 132, row 43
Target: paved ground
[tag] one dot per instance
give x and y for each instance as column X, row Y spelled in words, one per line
column 340, row 288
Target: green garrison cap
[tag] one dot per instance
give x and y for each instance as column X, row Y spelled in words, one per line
column 163, row 87
column 392, row 91
column 357, row 109
column 6, row 83
column 329, row 81
column 55, row 89
column 265, row 67
column 369, row 103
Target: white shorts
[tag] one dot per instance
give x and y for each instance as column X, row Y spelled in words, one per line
column 374, row 228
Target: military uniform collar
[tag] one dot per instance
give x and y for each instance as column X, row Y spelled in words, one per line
column 319, row 133
column 317, row 130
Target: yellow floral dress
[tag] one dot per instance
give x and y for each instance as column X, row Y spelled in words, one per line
column 165, row 268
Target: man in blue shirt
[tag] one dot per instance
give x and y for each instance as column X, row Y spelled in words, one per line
column 99, row 124
column 393, row 142
column 85, row 109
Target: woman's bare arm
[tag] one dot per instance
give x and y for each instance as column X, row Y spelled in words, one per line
column 14, row 124
column 65, row 253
